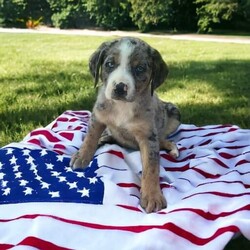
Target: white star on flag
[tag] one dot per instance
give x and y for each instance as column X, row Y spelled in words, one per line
column 54, row 194
column 39, row 178
column 9, row 151
column 60, row 158
column 84, row 192
column 92, row 180
column 1, row 165
column 26, row 152
column 6, row 191
column 55, row 173
column 49, row 165
column 30, row 160
column 13, row 160
column 80, row 174
column 23, row 182
column 62, row 178
column 1, row 176
column 18, row 175
column 43, row 152
column 28, row 190
column 4, row 183
column 33, row 167
column 68, row 169
column 45, row 185
column 16, row 168
column 72, row 184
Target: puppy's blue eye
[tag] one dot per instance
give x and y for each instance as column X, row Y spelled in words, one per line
column 139, row 69
column 110, row 65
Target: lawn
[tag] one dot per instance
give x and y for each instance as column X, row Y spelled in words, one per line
column 43, row 75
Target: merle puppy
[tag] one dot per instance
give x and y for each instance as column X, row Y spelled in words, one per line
column 129, row 113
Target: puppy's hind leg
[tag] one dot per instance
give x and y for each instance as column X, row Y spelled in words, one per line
column 170, row 147
column 106, row 138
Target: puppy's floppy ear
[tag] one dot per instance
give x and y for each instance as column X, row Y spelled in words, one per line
column 96, row 61
column 159, row 71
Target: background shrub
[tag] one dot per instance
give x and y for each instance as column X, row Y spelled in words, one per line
column 69, row 13
column 172, row 15
column 110, row 14
column 166, row 14
column 15, row 13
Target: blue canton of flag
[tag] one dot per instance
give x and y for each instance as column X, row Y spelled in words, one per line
column 42, row 175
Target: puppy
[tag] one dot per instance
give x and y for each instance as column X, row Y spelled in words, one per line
column 128, row 112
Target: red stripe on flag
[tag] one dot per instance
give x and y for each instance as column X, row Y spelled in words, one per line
column 142, row 228
column 165, row 185
column 170, row 158
column 117, row 153
column 62, row 119
column 39, row 243
column 221, row 194
column 206, row 174
column 6, row 246
column 219, row 162
column 205, row 142
column 67, row 135
column 73, row 119
column 45, row 133
column 226, row 182
column 59, row 146
column 226, row 155
column 208, row 215
column 177, row 169
column 128, row 185
column 35, row 141
column 241, row 162
column 130, row 208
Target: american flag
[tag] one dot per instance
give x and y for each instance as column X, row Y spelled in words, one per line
column 46, row 205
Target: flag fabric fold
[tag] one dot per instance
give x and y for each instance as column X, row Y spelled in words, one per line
column 46, row 205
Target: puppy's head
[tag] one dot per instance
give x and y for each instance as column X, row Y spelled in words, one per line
column 127, row 67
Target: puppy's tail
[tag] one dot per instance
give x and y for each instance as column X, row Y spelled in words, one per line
column 174, row 117
column 173, row 111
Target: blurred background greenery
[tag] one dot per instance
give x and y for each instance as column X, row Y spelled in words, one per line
column 168, row 15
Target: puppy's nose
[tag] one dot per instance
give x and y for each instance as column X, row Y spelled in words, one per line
column 121, row 89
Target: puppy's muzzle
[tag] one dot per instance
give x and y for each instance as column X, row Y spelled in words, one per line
column 120, row 90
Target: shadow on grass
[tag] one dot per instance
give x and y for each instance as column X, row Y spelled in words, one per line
column 16, row 124
column 46, row 90
column 203, row 114
column 227, row 79
column 37, row 96
column 227, row 76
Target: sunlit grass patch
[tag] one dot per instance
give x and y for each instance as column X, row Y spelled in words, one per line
column 43, row 75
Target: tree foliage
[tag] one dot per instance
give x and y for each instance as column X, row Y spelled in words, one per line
column 167, row 14
column 69, row 13
column 146, row 14
column 204, row 15
column 18, row 12
column 110, row 14
column 212, row 12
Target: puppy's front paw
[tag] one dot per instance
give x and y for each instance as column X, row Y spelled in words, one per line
column 174, row 152
column 153, row 201
column 171, row 147
column 78, row 161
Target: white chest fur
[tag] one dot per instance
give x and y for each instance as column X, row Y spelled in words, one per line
column 122, row 113
column 117, row 113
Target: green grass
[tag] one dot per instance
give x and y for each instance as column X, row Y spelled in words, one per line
column 43, row 75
